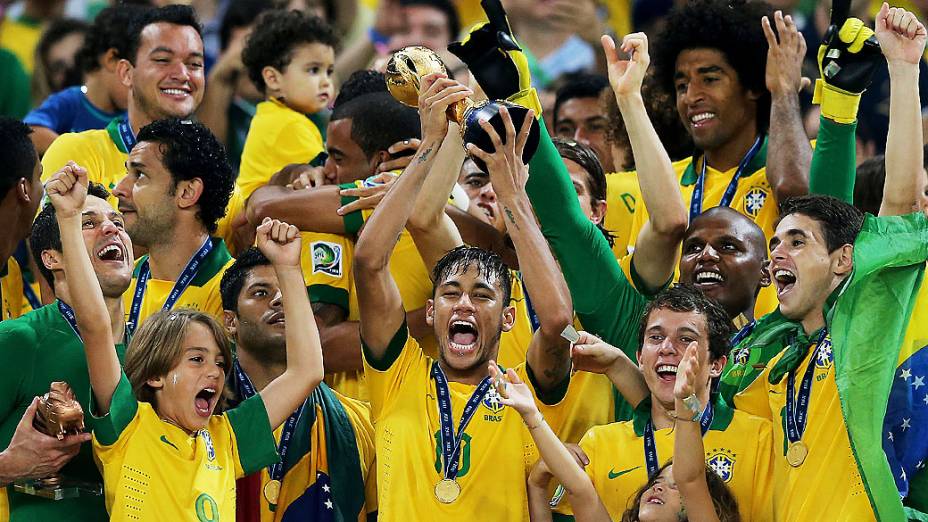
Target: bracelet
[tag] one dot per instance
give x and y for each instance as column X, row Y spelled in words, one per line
column 673, row 415
column 537, row 425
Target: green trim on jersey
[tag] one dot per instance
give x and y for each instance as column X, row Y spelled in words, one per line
column 758, row 162
column 254, row 435
column 123, row 408
column 721, row 419
column 328, row 295
column 212, row 265
column 394, row 349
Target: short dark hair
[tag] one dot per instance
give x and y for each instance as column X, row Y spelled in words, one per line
column 277, row 33
column 871, row 176
column 586, row 158
column 191, row 151
column 360, row 83
column 45, row 234
column 731, row 27
column 241, row 13
column 393, row 122
column 230, row 286
column 459, row 259
column 581, row 85
column 17, row 153
column 174, row 14
column 110, row 30
column 454, row 23
column 685, row 298
column 840, row 221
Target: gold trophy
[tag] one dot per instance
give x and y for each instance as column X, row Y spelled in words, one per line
column 58, row 414
column 407, row 67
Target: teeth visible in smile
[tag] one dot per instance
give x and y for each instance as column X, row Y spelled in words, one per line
column 107, row 250
column 783, row 273
column 702, row 277
column 703, row 116
column 461, row 347
column 463, row 323
column 178, row 92
column 666, row 368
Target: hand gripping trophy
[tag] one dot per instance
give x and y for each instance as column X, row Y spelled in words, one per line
column 58, row 414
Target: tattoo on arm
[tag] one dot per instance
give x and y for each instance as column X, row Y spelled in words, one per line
column 512, row 219
column 425, row 155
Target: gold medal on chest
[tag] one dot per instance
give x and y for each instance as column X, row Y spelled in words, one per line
column 272, row 491
column 447, row 491
column 796, row 453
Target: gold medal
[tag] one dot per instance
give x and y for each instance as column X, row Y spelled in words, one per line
column 447, row 491
column 272, row 491
column 796, row 453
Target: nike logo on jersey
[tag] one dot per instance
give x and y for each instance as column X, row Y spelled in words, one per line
column 613, row 474
column 169, row 443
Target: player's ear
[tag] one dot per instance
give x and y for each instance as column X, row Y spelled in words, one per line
column 155, row 383
column 430, row 312
column 716, row 366
column 271, row 77
column 188, row 192
column 52, row 260
column 124, row 71
column 230, row 321
column 509, row 318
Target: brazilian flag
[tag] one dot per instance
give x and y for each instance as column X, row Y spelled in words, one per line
column 879, row 328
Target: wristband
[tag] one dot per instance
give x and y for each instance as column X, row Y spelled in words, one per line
column 837, row 105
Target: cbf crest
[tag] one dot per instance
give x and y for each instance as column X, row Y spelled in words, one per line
column 491, row 401
column 208, row 442
column 825, row 356
column 327, row 258
column 742, row 355
column 754, row 201
column 722, row 463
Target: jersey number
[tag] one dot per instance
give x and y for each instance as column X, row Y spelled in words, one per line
column 207, row 510
column 465, row 454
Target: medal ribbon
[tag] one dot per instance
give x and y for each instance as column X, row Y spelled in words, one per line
column 650, row 448
column 696, row 199
column 451, row 442
column 742, row 333
column 68, row 313
column 274, row 471
column 126, row 134
column 190, row 271
column 797, row 408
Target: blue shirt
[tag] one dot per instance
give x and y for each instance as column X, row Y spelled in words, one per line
column 69, row 111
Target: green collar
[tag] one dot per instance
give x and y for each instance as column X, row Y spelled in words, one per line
column 112, row 128
column 212, row 265
column 721, row 417
column 757, row 163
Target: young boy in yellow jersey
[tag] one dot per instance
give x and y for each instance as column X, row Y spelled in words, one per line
column 289, row 57
column 327, row 447
column 20, row 193
column 437, row 456
column 163, row 453
column 177, row 187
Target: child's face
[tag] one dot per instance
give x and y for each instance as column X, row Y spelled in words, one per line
column 188, row 394
column 305, row 85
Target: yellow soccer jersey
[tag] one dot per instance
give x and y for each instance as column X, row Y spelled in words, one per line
column 622, row 195
column 753, row 198
column 497, row 450
column 202, row 294
column 235, row 207
column 277, row 137
column 99, row 151
column 827, row 486
column 737, row 448
column 154, row 471
column 11, row 291
column 21, row 36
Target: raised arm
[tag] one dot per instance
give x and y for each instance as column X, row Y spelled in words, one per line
column 548, row 355
column 658, row 243
column 902, row 39
column 689, row 460
column 281, row 243
column 67, row 191
column 379, row 299
column 788, row 151
column 587, row 505
column 592, row 354
column 309, row 209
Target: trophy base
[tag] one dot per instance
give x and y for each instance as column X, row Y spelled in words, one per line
column 61, row 490
column 473, row 133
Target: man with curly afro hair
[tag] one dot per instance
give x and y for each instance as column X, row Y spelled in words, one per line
column 712, row 60
column 176, row 189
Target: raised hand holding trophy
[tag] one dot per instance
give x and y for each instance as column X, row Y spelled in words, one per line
column 410, row 64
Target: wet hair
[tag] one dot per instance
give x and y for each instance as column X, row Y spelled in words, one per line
column 394, row 121
column 158, row 346
column 731, row 27
column 241, row 13
column 488, row 264
column 234, row 277
column 840, row 221
column 685, row 298
column 189, row 150
column 276, row 36
column 360, row 83
column 45, row 234
column 446, row 7
column 173, row 14
column 724, row 501
column 871, row 176
column 582, row 85
column 596, row 178
column 109, row 31
column 17, row 154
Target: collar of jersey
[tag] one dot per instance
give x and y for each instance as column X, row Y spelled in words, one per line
column 758, row 162
column 112, row 129
column 721, row 417
column 211, row 266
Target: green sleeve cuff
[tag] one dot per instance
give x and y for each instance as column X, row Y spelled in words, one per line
column 254, row 435
column 551, row 396
column 833, row 169
column 394, row 349
column 328, row 295
column 123, row 408
column 354, row 220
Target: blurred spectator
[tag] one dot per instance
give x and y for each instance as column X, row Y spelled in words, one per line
column 15, row 97
column 101, row 96
column 580, row 116
column 56, row 64
column 871, row 177
column 20, row 33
